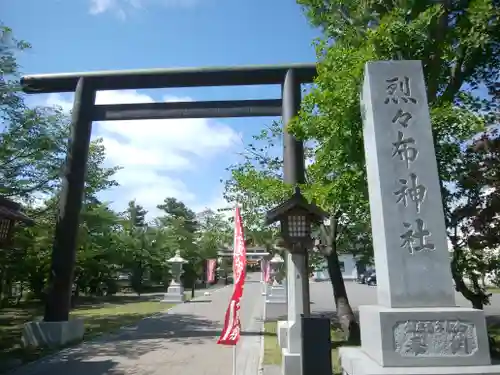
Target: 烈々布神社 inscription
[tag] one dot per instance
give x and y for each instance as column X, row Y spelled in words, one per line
column 405, row 199
column 415, row 237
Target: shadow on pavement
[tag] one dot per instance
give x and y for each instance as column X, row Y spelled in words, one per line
column 257, row 333
column 148, row 335
column 199, row 301
column 99, row 302
column 77, row 367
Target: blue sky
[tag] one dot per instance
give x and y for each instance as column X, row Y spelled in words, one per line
column 185, row 159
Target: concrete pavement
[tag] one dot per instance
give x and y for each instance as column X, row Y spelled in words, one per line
column 179, row 341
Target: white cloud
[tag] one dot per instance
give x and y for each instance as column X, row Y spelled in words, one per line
column 148, row 188
column 215, row 203
column 153, row 152
column 122, row 8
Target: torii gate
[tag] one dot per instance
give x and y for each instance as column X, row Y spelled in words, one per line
column 85, row 111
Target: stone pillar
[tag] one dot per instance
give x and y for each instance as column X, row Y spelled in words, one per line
column 292, row 353
column 263, row 266
column 416, row 324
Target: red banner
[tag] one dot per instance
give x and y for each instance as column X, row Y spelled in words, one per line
column 211, row 263
column 267, row 271
column 231, row 332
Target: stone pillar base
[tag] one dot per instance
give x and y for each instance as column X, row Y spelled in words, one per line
column 275, row 310
column 175, row 294
column 277, row 293
column 264, row 289
column 52, row 334
column 276, row 305
column 282, row 332
column 405, row 337
column 292, row 364
column 355, row 361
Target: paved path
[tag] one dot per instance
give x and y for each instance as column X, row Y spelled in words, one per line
column 180, row 341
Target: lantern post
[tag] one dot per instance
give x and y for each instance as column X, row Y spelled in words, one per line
column 296, row 217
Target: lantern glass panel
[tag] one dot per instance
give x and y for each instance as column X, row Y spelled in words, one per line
column 176, row 267
column 4, row 228
column 297, row 226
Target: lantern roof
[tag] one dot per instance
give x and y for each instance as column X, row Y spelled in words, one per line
column 297, row 200
column 277, row 259
column 177, row 258
column 12, row 211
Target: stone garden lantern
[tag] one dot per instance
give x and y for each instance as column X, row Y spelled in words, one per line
column 175, row 292
column 277, row 269
column 296, row 217
column 277, row 291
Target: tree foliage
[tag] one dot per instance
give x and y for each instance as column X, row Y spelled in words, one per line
column 115, row 250
column 457, row 43
column 474, row 218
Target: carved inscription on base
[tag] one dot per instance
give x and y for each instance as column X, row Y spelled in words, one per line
column 435, row 338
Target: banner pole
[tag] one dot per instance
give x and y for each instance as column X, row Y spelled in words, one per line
column 234, row 287
column 234, row 359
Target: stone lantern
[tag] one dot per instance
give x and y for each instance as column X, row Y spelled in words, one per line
column 276, row 301
column 277, row 269
column 175, row 292
column 296, row 217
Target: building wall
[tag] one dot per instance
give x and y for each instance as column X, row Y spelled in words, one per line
column 348, row 267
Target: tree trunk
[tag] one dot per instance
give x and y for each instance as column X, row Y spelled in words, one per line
column 20, row 295
column 2, row 273
column 345, row 315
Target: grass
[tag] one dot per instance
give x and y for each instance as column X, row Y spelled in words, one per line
column 100, row 316
column 272, row 351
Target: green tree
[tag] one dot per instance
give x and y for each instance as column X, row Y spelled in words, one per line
column 256, row 183
column 214, row 231
column 136, row 242
column 136, row 214
column 180, row 222
column 475, row 216
column 98, row 256
column 33, row 140
column 458, row 44
column 175, row 209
